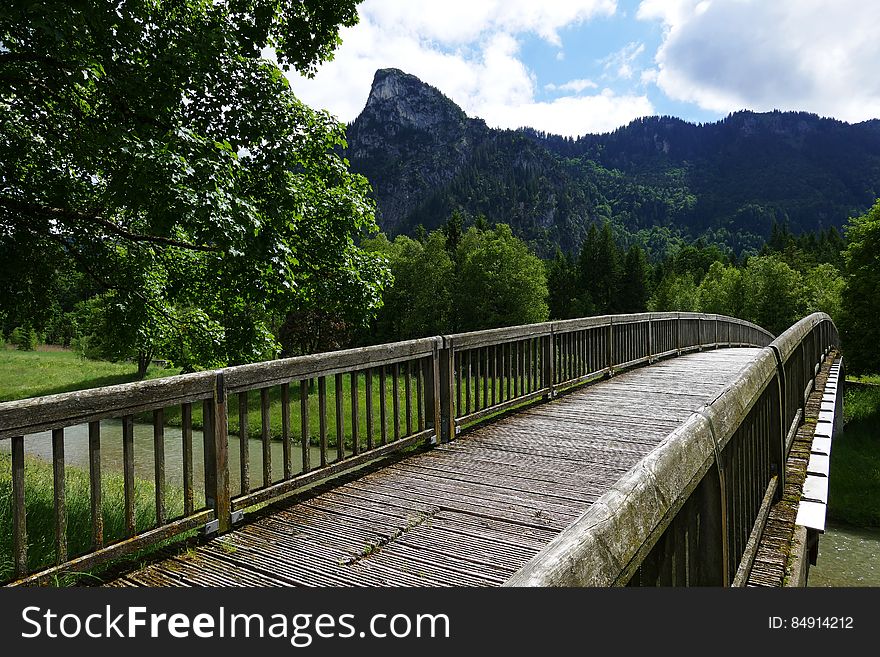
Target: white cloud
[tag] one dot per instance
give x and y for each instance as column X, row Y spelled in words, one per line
column 576, row 86
column 470, row 51
column 463, row 21
column 573, row 115
column 620, row 64
column 812, row 55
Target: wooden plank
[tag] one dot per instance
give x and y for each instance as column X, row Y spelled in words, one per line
column 95, row 496
column 159, row 463
column 286, row 453
column 459, row 390
column 494, row 349
column 60, row 497
column 486, row 376
column 244, row 458
column 128, row 473
column 19, row 512
column 220, row 433
column 748, row 558
column 420, row 395
column 266, row 436
column 304, row 424
column 322, row 418
column 186, row 450
column 368, row 405
column 467, row 382
column 338, row 396
column 209, row 458
column 355, row 415
column 395, row 398
column 407, row 396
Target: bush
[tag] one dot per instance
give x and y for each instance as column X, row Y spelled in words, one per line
column 24, row 338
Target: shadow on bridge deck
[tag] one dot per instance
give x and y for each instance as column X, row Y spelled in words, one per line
column 468, row 513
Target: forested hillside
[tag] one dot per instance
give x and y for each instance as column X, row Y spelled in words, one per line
column 656, row 180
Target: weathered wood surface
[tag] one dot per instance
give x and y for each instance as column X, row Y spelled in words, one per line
column 467, row 513
column 776, row 550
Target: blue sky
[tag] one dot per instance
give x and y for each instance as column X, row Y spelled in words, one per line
column 577, row 66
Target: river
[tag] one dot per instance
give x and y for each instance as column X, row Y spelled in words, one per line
column 848, row 556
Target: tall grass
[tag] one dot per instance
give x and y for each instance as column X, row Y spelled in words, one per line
column 39, row 497
column 854, row 497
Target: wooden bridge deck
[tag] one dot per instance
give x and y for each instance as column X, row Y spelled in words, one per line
column 467, row 513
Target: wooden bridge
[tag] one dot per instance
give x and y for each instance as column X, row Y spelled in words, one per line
column 641, row 449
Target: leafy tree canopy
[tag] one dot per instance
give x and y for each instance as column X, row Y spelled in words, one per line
column 861, row 296
column 499, row 281
column 149, row 144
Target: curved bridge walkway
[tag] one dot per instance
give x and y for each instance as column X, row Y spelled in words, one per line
column 467, row 513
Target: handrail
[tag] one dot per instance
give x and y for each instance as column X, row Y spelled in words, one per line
column 338, row 410
column 700, row 464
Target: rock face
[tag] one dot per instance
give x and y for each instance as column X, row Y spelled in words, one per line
column 425, row 158
column 408, row 140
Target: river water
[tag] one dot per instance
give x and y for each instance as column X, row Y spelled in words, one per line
column 76, row 454
column 848, row 556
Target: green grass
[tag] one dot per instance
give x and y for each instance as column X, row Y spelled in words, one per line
column 854, row 497
column 35, row 373
column 39, row 497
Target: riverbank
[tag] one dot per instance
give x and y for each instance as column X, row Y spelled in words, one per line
column 39, row 494
column 854, row 496
column 51, row 370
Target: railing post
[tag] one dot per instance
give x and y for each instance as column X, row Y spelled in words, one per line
column 678, row 334
column 547, row 358
column 650, row 339
column 447, row 393
column 609, row 347
column 431, row 373
column 215, row 433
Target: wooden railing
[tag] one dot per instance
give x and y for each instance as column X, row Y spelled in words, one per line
column 692, row 511
column 329, row 413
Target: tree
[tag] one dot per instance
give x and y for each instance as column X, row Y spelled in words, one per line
column 600, row 270
column 823, row 290
column 675, row 293
column 148, row 145
column 774, row 298
column 499, row 282
column 861, row 304
column 562, row 287
column 634, row 282
column 722, row 291
column 419, row 302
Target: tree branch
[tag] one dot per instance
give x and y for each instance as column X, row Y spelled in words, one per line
column 33, row 209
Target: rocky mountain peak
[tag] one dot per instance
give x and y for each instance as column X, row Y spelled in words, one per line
column 403, row 99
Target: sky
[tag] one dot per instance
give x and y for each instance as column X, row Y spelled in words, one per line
column 573, row 67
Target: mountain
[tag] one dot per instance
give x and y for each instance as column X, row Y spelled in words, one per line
column 654, row 178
